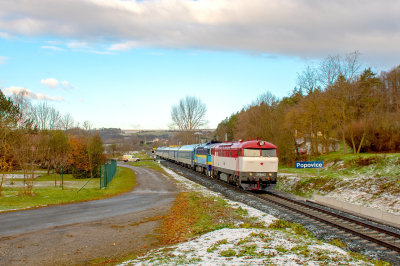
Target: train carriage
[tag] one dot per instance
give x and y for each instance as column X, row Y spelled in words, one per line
column 186, row 155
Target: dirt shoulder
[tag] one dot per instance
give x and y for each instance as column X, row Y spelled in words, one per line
column 94, row 241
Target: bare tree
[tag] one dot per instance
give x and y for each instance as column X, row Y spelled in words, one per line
column 45, row 117
column 351, row 66
column 329, row 70
column 67, row 122
column 189, row 115
column 308, row 80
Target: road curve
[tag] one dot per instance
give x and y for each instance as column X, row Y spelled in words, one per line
column 153, row 190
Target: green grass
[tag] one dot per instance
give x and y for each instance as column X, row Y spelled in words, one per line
column 143, row 156
column 147, row 161
column 45, row 193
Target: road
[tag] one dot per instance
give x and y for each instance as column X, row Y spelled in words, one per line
column 50, row 228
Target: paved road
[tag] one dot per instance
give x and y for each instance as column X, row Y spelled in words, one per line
column 153, row 191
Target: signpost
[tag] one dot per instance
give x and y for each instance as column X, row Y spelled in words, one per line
column 311, row 164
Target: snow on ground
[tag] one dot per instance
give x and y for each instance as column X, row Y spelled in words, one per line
column 244, row 246
column 19, row 176
column 368, row 190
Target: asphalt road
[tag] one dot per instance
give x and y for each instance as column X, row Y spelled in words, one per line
column 153, row 190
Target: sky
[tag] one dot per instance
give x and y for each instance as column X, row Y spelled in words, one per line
column 125, row 63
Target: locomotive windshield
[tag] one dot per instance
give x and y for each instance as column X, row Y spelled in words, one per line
column 268, row 153
column 259, row 153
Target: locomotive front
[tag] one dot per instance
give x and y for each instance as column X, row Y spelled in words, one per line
column 252, row 165
column 258, row 165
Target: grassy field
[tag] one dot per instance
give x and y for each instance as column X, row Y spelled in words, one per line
column 147, row 161
column 46, row 193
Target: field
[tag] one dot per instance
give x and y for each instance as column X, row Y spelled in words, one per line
column 46, row 192
column 146, row 161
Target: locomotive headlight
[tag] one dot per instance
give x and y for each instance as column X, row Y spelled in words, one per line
column 261, row 143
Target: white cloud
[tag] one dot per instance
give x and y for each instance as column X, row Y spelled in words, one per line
column 50, row 82
column 54, row 48
column 31, row 95
column 5, row 35
column 123, row 46
column 53, row 42
column 3, row 59
column 77, row 44
column 103, row 52
column 304, row 28
column 67, row 85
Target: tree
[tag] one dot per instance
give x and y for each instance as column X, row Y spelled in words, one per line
column 95, row 153
column 227, row 126
column 189, row 115
column 46, row 117
column 308, row 80
column 9, row 117
column 368, row 85
column 78, row 157
column 58, row 150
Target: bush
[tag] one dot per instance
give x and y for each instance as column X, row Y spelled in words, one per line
column 360, row 161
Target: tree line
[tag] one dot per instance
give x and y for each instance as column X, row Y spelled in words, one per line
column 336, row 100
column 39, row 136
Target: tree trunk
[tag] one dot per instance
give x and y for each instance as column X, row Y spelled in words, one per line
column 352, row 141
column 344, row 143
column 361, row 142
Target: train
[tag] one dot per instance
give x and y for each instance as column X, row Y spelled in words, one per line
column 250, row 165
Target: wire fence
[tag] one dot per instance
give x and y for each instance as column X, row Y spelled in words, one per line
column 107, row 173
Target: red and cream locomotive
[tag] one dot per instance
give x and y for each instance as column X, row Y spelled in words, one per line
column 252, row 165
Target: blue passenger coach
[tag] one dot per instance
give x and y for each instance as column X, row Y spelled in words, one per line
column 186, row 155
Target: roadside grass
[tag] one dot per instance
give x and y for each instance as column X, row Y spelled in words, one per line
column 46, row 194
column 195, row 214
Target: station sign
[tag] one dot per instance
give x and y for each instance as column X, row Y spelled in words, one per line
column 311, row 164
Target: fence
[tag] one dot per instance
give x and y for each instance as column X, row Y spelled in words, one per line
column 107, row 172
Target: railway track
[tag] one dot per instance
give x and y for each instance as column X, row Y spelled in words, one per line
column 388, row 241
